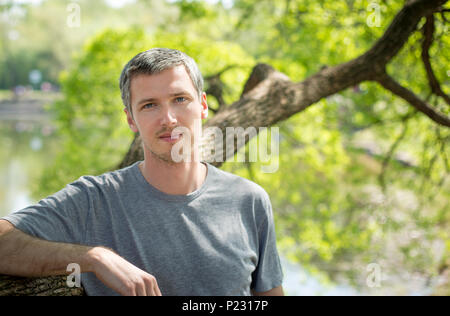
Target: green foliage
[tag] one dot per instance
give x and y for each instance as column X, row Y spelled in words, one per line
column 333, row 213
column 344, row 196
column 88, row 116
column 39, row 37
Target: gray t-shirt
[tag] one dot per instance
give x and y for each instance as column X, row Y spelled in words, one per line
column 218, row 240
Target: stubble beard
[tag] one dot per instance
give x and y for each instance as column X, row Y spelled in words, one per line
column 165, row 157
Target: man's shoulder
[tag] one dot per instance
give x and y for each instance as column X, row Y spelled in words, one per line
column 113, row 179
column 253, row 198
column 240, row 185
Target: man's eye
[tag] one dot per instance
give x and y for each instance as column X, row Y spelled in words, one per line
column 148, row 106
column 180, row 99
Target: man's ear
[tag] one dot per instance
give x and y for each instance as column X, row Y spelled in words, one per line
column 130, row 121
column 204, row 106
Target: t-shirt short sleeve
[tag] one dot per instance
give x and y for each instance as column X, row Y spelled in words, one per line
column 268, row 273
column 60, row 217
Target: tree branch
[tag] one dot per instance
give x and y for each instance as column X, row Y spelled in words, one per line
column 428, row 32
column 390, row 84
column 442, row 12
column 216, row 87
column 392, row 149
column 259, row 73
column 135, row 153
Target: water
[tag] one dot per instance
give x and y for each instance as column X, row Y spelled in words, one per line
column 17, row 196
column 25, row 148
column 298, row 282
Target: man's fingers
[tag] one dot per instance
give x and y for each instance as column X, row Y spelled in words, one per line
column 140, row 289
column 157, row 291
column 122, row 276
column 150, row 291
column 150, row 286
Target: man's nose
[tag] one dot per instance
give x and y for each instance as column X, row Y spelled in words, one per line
column 168, row 116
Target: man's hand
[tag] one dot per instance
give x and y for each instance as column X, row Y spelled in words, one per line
column 120, row 275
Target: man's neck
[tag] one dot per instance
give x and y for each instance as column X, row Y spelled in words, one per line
column 174, row 179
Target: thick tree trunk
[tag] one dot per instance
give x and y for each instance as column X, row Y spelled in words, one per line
column 270, row 97
column 50, row 286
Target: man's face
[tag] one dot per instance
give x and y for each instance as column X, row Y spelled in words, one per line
column 161, row 103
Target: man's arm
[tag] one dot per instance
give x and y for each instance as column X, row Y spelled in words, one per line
column 23, row 255
column 278, row 291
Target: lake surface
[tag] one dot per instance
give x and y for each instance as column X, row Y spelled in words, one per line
column 25, row 148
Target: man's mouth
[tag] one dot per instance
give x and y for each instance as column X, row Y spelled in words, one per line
column 170, row 138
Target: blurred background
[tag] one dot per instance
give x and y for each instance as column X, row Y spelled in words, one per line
column 362, row 195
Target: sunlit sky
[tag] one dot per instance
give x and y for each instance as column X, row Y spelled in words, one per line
column 112, row 3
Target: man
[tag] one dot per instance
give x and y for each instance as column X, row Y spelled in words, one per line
column 158, row 227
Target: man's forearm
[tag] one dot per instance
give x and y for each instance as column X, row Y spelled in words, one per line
column 23, row 255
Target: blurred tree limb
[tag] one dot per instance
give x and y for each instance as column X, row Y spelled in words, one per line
column 428, row 31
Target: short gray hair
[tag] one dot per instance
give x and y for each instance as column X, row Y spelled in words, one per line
column 155, row 61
